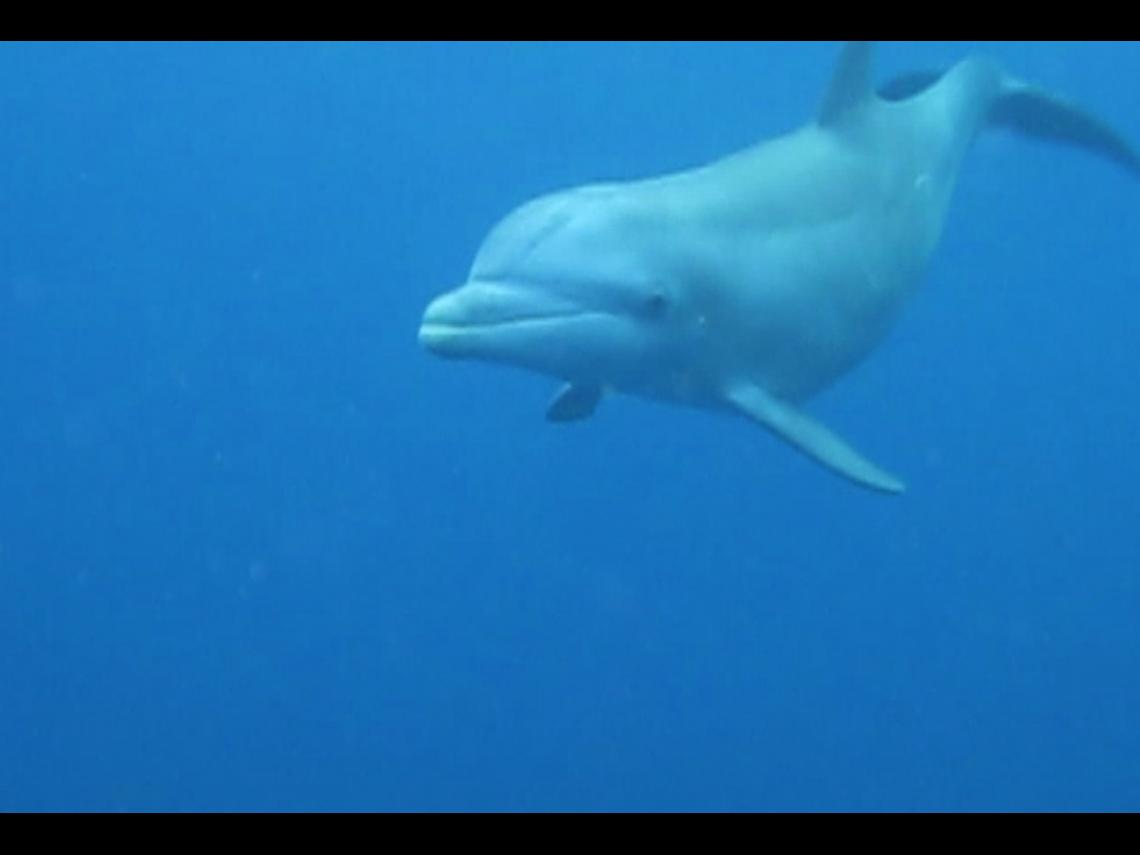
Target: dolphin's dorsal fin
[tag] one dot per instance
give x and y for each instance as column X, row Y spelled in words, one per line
column 850, row 85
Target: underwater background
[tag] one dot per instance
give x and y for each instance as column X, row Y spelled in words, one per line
column 260, row 551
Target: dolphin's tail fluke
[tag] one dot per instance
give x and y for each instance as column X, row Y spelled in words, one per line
column 1025, row 109
column 1037, row 113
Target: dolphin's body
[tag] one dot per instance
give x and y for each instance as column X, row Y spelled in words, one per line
column 753, row 282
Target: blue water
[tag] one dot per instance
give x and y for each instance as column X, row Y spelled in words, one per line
column 259, row 551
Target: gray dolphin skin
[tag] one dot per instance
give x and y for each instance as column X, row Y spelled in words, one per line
column 751, row 283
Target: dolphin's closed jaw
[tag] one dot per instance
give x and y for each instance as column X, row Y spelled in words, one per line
column 470, row 317
column 441, row 320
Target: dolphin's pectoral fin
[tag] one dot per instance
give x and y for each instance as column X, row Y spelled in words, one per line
column 810, row 437
column 573, row 403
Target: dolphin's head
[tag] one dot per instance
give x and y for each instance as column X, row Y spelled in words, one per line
column 564, row 286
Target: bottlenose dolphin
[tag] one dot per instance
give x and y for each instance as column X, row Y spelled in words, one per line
column 749, row 284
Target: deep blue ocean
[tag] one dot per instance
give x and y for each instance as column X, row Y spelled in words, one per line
column 260, row 551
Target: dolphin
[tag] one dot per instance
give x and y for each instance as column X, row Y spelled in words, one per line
column 749, row 284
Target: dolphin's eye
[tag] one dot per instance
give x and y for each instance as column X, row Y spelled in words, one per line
column 656, row 305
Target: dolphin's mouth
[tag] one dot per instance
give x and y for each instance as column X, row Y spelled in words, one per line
column 472, row 317
column 441, row 337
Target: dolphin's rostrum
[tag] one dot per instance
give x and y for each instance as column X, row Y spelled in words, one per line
column 753, row 282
